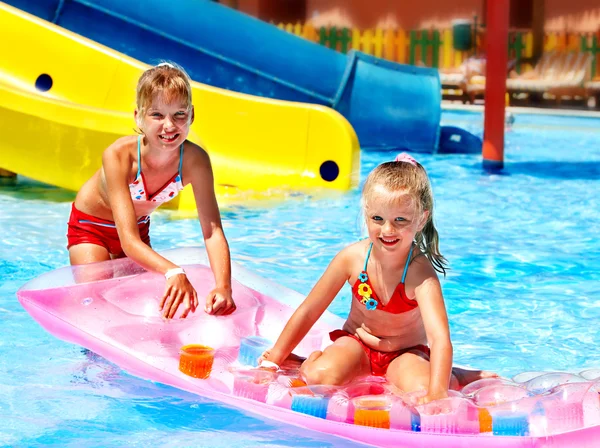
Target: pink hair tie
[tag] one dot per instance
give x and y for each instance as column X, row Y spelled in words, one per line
column 403, row 157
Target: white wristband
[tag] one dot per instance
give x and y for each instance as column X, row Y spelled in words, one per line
column 268, row 364
column 175, row 271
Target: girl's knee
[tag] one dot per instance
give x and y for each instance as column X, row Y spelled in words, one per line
column 318, row 371
column 409, row 381
column 308, row 366
column 415, row 383
column 321, row 375
column 313, row 356
column 409, row 372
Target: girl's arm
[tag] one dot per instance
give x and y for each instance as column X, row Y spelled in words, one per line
column 433, row 311
column 116, row 166
column 198, row 169
column 315, row 304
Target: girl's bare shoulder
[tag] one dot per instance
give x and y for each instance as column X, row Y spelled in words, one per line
column 122, row 147
column 196, row 166
column 194, row 154
column 355, row 249
column 420, row 271
column 353, row 257
column 422, row 263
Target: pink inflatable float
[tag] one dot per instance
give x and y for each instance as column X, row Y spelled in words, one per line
column 111, row 308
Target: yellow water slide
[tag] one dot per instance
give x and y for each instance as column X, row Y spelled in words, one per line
column 64, row 99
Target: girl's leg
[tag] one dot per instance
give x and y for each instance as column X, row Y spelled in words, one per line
column 338, row 364
column 410, row 371
column 86, row 253
column 461, row 377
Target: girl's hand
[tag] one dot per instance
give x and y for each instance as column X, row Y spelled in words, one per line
column 365, row 335
column 265, row 356
column 292, row 362
column 432, row 397
column 219, row 302
column 178, row 290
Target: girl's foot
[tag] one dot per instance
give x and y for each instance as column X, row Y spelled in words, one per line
column 465, row 376
column 293, row 362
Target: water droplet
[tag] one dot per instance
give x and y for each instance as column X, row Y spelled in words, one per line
column 87, row 301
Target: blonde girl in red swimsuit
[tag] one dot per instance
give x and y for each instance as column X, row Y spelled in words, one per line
column 397, row 326
column 110, row 217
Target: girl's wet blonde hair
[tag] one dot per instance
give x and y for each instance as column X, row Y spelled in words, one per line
column 167, row 79
column 402, row 177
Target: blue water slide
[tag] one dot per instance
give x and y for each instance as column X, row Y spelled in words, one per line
column 390, row 105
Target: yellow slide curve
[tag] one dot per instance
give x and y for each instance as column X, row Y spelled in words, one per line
column 257, row 146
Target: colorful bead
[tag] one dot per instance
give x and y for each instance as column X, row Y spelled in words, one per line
column 371, row 304
column 364, row 290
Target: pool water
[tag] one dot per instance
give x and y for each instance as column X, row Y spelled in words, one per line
column 522, row 293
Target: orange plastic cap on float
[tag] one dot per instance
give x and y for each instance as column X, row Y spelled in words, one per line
column 196, row 360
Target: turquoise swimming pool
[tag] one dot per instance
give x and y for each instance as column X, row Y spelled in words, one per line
column 522, row 293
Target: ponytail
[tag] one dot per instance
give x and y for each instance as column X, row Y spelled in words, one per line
column 428, row 242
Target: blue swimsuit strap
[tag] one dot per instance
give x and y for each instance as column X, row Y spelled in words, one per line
column 407, row 262
column 180, row 159
column 405, row 266
column 367, row 259
column 139, row 154
column 139, row 157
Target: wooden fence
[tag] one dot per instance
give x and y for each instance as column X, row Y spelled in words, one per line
column 434, row 48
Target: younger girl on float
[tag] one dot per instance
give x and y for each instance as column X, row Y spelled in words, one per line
column 397, row 326
column 110, row 217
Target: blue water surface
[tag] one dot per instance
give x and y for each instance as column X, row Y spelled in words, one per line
column 522, row 293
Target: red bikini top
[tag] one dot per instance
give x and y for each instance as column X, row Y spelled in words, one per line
column 363, row 291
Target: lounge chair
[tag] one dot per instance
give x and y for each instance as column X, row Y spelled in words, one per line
column 592, row 90
column 476, row 83
column 557, row 74
column 454, row 81
column 476, row 87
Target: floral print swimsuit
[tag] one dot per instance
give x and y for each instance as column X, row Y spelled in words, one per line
column 363, row 291
column 399, row 303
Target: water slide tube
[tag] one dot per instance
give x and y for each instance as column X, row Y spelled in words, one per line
column 390, row 105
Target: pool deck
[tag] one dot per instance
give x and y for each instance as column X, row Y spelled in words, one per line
column 447, row 105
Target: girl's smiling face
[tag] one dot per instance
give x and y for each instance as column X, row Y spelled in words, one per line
column 166, row 124
column 393, row 219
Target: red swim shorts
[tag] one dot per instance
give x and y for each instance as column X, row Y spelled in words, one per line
column 380, row 361
column 84, row 228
